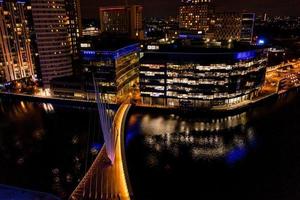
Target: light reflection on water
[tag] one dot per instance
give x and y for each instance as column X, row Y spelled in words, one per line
column 46, row 147
column 194, row 155
column 210, row 138
column 156, row 125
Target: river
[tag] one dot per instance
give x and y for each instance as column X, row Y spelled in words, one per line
column 253, row 154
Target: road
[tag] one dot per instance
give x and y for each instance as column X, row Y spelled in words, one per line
column 282, row 78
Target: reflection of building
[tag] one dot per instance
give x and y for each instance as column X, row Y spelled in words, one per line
column 200, row 77
column 228, row 26
column 196, row 14
column 16, row 59
column 114, row 63
column 73, row 12
column 52, row 38
column 248, row 20
column 123, row 19
column 205, row 137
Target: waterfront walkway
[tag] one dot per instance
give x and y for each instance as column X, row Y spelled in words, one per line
column 104, row 180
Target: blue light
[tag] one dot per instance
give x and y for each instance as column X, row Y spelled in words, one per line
column 236, row 155
column 22, row 1
column 261, row 42
column 245, row 55
column 189, row 36
column 130, row 136
column 96, row 146
column 126, row 50
column 182, row 36
column 89, row 52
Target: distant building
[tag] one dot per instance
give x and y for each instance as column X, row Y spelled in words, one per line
column 16, row 55
column 228, row 26
column 113, row 62
column 126, row 20
column 53, row 42
column 179, row 76
column 248, row 20
column 74, row 25
column 276, row 56
column 196, row 15
column 91, row 31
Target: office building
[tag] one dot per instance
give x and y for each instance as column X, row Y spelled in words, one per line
column 51, row 30
column 16, row 59
column 196, row 15
column 113, row 62
column 127, row 20
column 247, row 27
column 179, row 76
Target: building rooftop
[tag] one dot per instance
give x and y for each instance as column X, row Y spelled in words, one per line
column 106, row 43
column 201, row 48
column 200, row 54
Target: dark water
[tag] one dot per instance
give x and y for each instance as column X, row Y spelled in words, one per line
column 250, row 155
column 45, row 147
column 247, row 155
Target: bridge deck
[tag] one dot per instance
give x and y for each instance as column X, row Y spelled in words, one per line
column 106, row 181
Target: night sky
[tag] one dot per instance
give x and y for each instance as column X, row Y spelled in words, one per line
column 170, row 7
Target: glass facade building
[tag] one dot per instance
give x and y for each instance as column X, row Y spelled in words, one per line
column 201, row 78
column 114, row 64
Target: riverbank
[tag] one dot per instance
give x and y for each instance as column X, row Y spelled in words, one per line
column 92, row 104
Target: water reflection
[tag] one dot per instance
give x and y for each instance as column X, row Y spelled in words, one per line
column 158, row 124
column 46, row 147
column 48, row 108
column 207, row 138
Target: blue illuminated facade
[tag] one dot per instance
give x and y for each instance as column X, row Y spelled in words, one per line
column 246, row 55
column 114, row 64
column 116, row 54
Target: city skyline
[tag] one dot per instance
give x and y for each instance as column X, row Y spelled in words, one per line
column 170, row 7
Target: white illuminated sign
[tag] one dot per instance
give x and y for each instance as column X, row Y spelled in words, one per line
column 85, row 45
column 153, row 47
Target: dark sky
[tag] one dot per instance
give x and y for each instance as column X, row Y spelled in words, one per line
column 170, row 7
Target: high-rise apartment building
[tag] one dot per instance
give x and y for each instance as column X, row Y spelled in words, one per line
column 228, row 26
column 123, row 19
column 248, row 20
column 53, row 42
column 196, row 15
column 73, row 11
column 16, row 59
